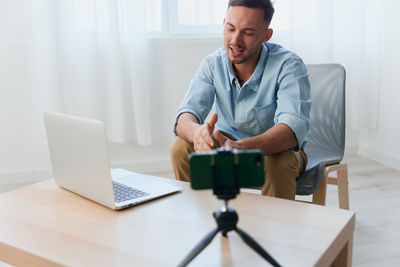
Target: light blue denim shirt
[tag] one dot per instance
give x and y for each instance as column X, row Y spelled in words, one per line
column 277, row 92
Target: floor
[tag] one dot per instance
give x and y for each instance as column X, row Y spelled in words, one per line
column 375, row 197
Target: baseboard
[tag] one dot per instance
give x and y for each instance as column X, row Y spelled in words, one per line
column 153, row 166
column 33, row 176
column 351, row 149
column 387, row 159
column 24, row 177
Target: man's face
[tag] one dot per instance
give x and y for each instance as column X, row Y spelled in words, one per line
column 244, row 32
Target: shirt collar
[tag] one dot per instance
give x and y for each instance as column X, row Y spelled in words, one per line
column 258, row 71
column 232, row 75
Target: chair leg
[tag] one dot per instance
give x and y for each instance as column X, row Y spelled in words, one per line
column 341, row 180
column 343, row 188
column 319, row 195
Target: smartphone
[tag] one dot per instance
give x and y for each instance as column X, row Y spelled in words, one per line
column 224, row 169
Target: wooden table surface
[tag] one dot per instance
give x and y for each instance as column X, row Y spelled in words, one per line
column 45, row 225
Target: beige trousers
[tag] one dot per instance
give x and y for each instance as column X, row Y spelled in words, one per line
column 281, row 169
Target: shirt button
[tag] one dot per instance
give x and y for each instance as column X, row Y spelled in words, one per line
column 241, row 126
column 234, row 81
column 241, row 104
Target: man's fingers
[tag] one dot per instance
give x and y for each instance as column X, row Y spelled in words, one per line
column 206, row 135
column 219, row 137
column 203, row 141
column 212, row 121
column 202, row 147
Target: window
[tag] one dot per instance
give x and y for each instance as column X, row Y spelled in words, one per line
column 205, row 17
column 186, row 17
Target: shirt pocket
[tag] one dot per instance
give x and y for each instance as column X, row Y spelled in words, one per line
column 265, row 117
column 247, row 123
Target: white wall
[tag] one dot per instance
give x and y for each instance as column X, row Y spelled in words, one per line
column 23, row 149
column 20, row 146
column 382, row 143
column 175, row 63
column 24, row 152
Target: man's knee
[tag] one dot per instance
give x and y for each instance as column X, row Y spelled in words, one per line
column 283, row 161
column 281, row 172
column 179, row 151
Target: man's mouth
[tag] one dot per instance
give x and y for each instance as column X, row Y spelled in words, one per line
column 236, row 51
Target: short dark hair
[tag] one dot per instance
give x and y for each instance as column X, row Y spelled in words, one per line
column 265, row 5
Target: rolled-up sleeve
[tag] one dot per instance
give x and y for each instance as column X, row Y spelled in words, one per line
column 199, row 98
column 294, row 99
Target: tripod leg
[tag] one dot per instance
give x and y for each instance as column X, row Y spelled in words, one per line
column 254, row 245
column 199, row 247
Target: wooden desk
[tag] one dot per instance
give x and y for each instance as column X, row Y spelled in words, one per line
column 45, row 225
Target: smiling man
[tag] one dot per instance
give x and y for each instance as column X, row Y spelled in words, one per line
column 262, row 100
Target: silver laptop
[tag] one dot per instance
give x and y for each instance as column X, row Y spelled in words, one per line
column 79, row 157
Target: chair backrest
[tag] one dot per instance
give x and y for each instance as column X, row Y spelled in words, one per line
column 326, row 135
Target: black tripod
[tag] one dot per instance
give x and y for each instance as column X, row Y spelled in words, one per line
column 226, row 219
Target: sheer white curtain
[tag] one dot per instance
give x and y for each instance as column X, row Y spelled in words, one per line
column 342, row 31
column 90, row 58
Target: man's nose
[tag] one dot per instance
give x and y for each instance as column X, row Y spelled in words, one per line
column 236, row 38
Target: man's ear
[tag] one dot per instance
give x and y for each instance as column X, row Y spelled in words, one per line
column 223, row 23
column 268, row 35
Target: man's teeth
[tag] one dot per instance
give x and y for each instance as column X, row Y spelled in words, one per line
column 236, row 50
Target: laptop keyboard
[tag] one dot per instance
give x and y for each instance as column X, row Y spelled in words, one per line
column 124, row 193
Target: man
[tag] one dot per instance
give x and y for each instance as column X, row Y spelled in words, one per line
column 262, row 97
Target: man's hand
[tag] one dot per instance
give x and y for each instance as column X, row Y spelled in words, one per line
column 202, row 139
column 225, row 141
column 278, row 138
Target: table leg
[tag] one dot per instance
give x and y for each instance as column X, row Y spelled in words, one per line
column 345, row 256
